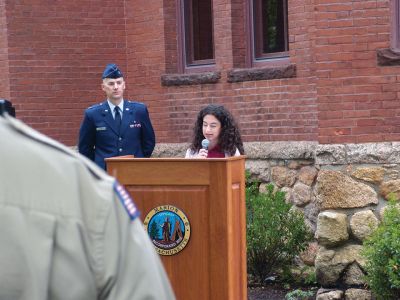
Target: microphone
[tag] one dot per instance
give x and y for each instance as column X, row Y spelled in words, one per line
column 205, row 143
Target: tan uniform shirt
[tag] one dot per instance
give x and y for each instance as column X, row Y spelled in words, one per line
column 66, row 232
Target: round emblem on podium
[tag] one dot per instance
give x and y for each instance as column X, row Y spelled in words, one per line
column 168, row 228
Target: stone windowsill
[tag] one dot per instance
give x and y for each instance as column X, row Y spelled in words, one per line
column 265, row 73
column 387, row 57
column 190, row 79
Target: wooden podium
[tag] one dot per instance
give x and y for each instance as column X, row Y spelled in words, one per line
column 211, row 193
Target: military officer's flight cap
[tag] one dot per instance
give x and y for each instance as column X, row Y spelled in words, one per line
column 112, row 71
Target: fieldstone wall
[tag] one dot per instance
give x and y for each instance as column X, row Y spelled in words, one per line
column 341, row 189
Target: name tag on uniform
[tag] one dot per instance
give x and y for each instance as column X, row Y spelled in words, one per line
column 101, row 128
column 135, row 125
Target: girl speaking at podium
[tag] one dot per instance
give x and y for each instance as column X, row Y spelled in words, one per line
column 215, row 134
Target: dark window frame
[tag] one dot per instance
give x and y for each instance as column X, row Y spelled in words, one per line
column 186, row 47
column 395, row 23
column 255, row 57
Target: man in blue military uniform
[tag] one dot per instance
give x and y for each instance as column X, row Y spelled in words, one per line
column 115, row 127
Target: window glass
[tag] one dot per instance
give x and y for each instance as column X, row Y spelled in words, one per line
column 199, row 44
column 270, row 28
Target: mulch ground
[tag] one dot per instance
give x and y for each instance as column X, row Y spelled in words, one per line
column 266, row 292
column 269, row 292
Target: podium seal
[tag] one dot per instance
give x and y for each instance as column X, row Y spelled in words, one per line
column 168, row 228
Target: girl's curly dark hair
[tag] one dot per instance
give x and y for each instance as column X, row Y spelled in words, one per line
column 229, row 138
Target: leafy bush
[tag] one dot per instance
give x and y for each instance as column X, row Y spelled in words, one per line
column 382, row 251
column 299, row 295
column 310, row 277
column 299, row 276
column 275, row 232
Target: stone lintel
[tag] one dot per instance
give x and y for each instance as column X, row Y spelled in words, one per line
column 387, row 57
column 190, row 79
column 265, row 73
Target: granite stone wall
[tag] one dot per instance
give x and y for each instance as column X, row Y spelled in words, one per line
column 341, row 189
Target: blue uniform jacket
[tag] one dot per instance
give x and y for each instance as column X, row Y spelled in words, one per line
column 99, row 138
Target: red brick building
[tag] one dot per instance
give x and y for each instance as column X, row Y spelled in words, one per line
column 332, row 78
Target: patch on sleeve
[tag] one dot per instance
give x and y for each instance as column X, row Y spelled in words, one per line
column 126, row 201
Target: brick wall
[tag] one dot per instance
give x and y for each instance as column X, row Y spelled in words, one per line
column 358, row 101
column 239, row 39
column 267, row 110
column 57, row 51
column 4, row 75
column 146, row 47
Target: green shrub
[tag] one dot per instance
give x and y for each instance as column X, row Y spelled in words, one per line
column 382, row 251
column 295, row 275
column 310, row 277
column 299, row 295
column 275, row 232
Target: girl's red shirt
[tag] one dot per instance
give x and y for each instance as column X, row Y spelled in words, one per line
column 215, row 153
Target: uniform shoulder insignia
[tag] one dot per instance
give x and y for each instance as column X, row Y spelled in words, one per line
column 126, row 201
column 135, row 102
column 94, row 106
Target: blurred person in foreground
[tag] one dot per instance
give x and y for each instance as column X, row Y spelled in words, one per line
column 69, row 231
column 115, row 127
column 215, row 124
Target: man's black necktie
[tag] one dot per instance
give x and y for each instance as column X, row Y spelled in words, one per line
column 117, row 118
